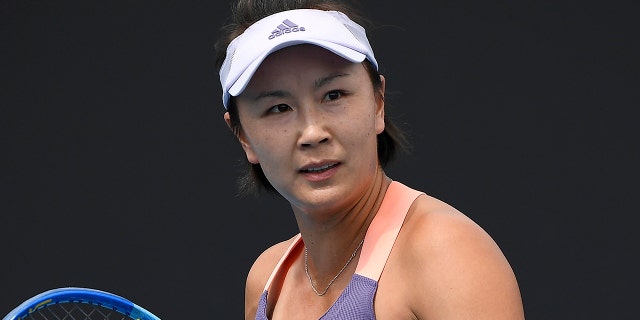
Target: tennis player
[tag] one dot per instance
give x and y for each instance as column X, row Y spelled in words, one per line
column 303, row 96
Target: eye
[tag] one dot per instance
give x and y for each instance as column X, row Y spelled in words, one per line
column 279, row 108
column 333, row 95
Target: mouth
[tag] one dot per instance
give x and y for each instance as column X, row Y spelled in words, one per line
column 318, row 168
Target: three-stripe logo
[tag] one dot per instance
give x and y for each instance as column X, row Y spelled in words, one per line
column 287, row 26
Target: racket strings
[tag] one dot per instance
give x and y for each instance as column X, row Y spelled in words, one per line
column 76, row 311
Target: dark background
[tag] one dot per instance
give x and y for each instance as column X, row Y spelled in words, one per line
column 117, row 170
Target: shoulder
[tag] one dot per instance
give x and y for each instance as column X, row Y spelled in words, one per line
column 438, row 236
column 260, row 272
column 456, row 264
column 434, row 223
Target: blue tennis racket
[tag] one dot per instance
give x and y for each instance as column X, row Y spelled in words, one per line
column 74, row 303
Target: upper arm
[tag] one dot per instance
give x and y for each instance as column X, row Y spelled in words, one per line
column 458, row 271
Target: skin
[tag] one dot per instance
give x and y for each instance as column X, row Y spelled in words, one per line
column 442, row 266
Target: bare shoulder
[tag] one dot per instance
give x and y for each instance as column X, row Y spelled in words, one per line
column 259, row 274
column 435, row 224
column 451, row 266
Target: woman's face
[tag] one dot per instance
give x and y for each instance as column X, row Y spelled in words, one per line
column 310, row 119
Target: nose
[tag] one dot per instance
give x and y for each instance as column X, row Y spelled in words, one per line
column 314, row 130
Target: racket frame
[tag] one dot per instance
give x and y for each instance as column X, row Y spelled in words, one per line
column 80, row 295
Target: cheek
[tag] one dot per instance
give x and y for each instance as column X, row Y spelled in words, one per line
column 363, row 121
column 268, row 145
column 360, row 133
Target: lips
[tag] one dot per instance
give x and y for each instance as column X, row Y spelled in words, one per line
column 318, row 168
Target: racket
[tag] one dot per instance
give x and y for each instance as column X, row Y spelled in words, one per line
column 73, row 303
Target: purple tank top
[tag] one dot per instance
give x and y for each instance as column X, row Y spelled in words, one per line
column 356, row 301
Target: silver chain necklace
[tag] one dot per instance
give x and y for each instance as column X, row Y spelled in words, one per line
column 306, row 270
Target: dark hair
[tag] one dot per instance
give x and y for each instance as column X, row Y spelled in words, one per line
column 247, row 12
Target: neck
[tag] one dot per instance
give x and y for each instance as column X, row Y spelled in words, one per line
column 330, row 246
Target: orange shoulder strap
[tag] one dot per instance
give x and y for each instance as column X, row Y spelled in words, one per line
column 384, row 229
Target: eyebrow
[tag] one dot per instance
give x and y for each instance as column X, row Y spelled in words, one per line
column 272, row 93
column 323, row 81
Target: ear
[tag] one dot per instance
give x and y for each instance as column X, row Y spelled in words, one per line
column 379, row 96
column 244, row 142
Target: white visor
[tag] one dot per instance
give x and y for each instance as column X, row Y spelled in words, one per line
column 331, row 30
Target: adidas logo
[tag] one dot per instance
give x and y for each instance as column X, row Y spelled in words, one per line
column 285, row 27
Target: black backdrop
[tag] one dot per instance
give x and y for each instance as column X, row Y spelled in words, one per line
column 117, row 170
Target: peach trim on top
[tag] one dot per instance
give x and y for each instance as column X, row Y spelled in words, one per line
column 297, row 239
column 384, row 229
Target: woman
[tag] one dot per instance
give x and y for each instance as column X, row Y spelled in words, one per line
column 306, row 102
